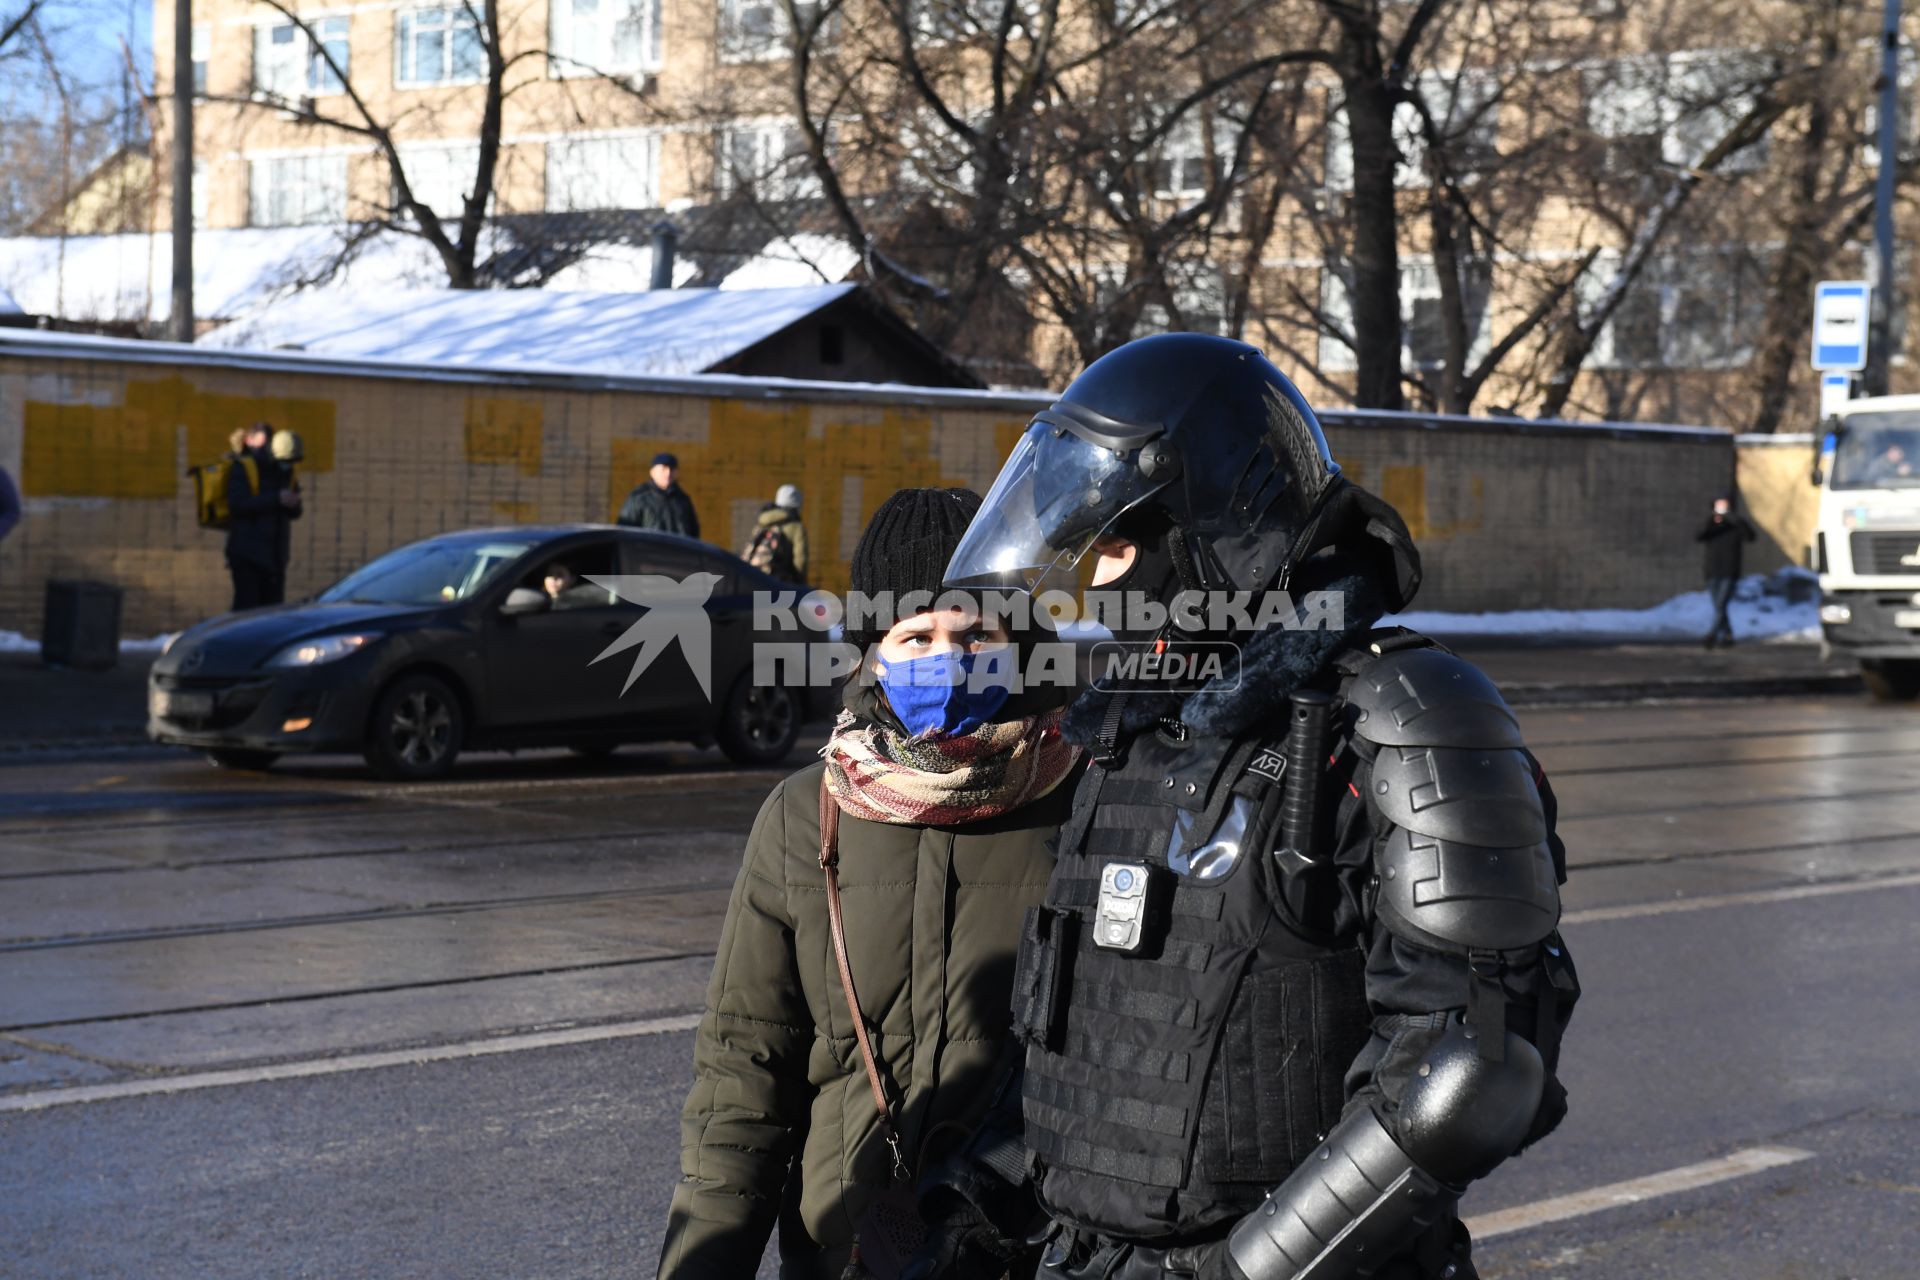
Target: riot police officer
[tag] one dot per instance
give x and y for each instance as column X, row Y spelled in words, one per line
column 1296, row 981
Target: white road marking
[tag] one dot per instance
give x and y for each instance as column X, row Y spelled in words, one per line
column 1620, row 1194
column 45, row 1098
column 1753, row 897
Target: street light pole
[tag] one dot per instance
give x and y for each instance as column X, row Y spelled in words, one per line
column 180, row 322
column 1880, row 318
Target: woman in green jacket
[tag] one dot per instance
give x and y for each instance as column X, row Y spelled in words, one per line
column 946, row 796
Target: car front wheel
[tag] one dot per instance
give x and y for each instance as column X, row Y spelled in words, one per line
column 1892, row 679
column 415, row 730
column 758, row 726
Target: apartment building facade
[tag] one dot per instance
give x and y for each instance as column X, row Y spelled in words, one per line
column 643, row 104
column 606, row 104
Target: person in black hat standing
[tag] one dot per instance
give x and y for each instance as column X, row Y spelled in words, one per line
column 945, row 785
column 1723, row 537
column 661, row 503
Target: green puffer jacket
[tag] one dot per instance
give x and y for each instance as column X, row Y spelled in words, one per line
column 933, row 919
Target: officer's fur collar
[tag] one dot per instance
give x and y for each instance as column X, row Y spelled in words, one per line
column 1273, row 664
column 1359, row 537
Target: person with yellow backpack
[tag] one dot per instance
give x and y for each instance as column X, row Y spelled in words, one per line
column 262, row 501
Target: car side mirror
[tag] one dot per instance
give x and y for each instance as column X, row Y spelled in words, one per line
column 524, row 600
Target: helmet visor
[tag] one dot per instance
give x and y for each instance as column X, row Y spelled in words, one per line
column 1053, row 498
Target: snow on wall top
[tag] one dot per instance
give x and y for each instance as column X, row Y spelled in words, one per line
column 663, row 332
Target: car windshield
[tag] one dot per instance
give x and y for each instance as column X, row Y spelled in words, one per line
column 438, row 571
column 1878, row 451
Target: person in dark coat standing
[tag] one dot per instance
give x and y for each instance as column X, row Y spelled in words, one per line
column 661, row 503
column 262, row 509
column 1724, row 536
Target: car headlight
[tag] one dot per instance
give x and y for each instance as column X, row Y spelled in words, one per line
column 1836, row 614
column 311, row 653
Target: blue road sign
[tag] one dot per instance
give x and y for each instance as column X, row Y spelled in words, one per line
column 1840, row 324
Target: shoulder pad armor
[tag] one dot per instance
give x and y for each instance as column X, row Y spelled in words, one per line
column 1486, row 798
column 1449, row 895
column 1427, row 697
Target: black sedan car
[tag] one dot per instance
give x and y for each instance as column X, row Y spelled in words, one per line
column 483, row 638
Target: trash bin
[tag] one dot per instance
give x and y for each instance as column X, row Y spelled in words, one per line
column 82, row 625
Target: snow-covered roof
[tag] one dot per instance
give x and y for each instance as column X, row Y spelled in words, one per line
column 662, row 332
column 128, row 279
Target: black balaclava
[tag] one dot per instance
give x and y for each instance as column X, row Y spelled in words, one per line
column 1152, row 574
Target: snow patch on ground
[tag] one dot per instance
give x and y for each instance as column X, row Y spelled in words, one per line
column 1764, row 608
column 14, row 642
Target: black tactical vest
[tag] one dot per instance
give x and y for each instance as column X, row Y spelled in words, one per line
column 1173, row 1081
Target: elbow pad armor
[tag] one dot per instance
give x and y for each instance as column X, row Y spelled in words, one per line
column 1369, row 1189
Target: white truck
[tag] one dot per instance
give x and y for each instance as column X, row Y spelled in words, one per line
column 1866, row 547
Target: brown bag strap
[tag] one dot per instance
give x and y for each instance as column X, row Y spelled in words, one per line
column 836, row 923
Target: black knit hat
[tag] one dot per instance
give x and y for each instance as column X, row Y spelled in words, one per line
column 907, row 544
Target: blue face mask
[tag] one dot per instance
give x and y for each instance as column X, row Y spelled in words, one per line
column 948, row 693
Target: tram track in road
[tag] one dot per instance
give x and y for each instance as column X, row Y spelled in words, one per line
column 658, row 832
column 371, row 989
column 396, row 912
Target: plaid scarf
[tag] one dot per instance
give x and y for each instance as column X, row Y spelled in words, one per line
column 878, row 774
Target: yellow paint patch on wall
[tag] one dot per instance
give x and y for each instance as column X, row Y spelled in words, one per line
column 89, row 451
column 1473, row 520
column 504, row 431
column 754, row 447
column 1777, row 492
column 129, row 450
column 517, row 512
column 211, row 418
column 1405, row 490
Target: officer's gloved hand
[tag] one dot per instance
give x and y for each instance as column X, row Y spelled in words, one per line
column 961, row 1244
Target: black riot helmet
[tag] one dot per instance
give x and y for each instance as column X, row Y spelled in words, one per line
column 1188, row 434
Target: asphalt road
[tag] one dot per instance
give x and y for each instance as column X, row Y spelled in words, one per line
column 307, row 1024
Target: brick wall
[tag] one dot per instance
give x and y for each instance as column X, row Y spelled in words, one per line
column 99, row 435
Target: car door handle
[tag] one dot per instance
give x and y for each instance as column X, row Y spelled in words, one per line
column 613, row 628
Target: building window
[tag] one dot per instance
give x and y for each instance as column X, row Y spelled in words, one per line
column 1423, row 331
column 1199, row 297
column 291, row 190
column 767, row 160
column 1465, row 109
column 620, row 172
column 202, row 51
column 199, row 194
column 440, row 176
column 1688, row 311
column 288, row 65
column 438, row 46
column 590, row 37
column 1182, row 169
column 755, row 30
column 1654, row 112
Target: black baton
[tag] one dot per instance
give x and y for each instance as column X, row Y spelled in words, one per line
column 1309, row 719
